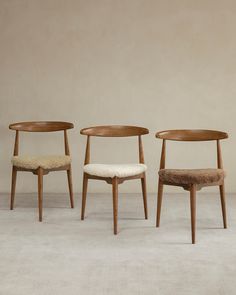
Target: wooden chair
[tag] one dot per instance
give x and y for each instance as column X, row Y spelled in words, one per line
column 114, row 174
column 191, row 179
column 41, row 165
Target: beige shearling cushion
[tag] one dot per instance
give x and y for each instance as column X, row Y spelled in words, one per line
column 191, row 176
column 45, row 162
column 112, row 170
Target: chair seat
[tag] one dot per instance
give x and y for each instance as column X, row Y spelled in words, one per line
column 112, row 170
column 192, row 176
column 45, row 162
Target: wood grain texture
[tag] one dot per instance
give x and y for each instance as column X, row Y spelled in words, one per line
column 191, row 135
column 114, row 131
column 41, row 126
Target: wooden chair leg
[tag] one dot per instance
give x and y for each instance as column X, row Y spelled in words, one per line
column 159, row 202
column 84, row 194
column 69, row 177
column 144, row 190
column 193, row 211
column 223, row 206
column 115, row 202
column 40, row 192
column 13, row 187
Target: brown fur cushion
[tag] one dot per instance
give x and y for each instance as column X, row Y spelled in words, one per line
column 191, row 176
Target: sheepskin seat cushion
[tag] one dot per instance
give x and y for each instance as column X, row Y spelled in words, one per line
column 191, row 176
column 118, row 170
column 45, row 162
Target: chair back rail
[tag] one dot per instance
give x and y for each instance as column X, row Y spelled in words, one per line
column 114, row 131
column 191, row 135
column 41, row 126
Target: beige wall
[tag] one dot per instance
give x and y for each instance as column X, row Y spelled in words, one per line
column 159, row 64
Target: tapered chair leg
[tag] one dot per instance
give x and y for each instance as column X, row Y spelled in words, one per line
column 69, row 177
column 144, row 190
column 84, row 195
column 223, row 205
column 13, row 187
column 40, row 192
column 115, row 202
column 193, row 211
column 159, row 202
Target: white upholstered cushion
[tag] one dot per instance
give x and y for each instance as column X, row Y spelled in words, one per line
column 112, row 170
column 45, row 162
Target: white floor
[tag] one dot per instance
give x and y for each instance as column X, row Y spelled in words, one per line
column 63, row 255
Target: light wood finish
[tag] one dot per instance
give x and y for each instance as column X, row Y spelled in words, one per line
column 41, row 126
column 114, row 131
column 191, row 135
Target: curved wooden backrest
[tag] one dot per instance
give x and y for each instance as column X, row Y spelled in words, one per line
column 191, row 135
column 41, row 126
column 114, row 131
